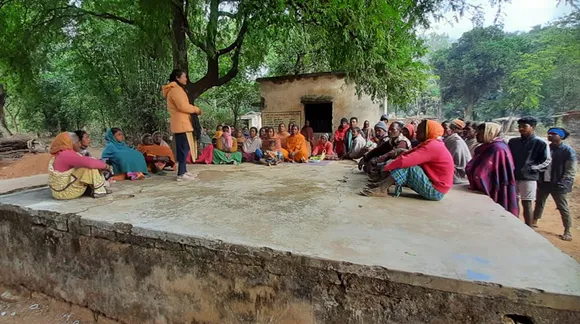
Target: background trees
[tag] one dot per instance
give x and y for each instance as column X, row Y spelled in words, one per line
column 488, row 73
column 87, row 63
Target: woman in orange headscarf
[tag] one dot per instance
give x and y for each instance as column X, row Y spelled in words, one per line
column 426, row 169
column 296, row 146
column 70, row 175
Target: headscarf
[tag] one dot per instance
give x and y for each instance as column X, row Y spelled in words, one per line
column 123, row 158
column 491, row 132
column 227, row 135
column 411, row 129
column 557, row 131
column 381, row 125
column 325, row 135
column 110, row 139
column 458, row 123
column 433, row 130
column 62, row 142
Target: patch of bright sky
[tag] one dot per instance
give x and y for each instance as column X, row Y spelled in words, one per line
column 519, row 15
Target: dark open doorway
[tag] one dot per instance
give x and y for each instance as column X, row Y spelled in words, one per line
column 319, row 115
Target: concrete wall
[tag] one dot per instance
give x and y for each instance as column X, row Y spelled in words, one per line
column 139, row 276
column 283, row 96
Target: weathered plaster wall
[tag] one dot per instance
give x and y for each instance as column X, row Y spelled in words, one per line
column 116, row 270
column 280, row 96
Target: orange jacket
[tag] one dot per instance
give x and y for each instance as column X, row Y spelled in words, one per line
column 179, row 108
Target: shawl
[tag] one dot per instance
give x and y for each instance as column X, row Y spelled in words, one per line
column 123, row 158
column 460, row 153
column 156, row 150
column 411, row 129
column 296, row 143
column 340, row 133
column 472, row 144
column 61, row 142
column 394, row 142
column 491, row 172
column 368, row 133
column 252, row 144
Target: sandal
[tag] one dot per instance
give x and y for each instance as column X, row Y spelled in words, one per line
column 373, row 193
column 566, row 237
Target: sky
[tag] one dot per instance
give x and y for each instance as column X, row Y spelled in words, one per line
column 519, row 15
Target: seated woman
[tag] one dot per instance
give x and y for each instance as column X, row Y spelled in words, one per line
column 241, row 139
column 409, row 133
column 271, row 156
column 127, row 163
column 296, row 146
column 85, row 141
column 157, row 157
column 226, row 150
column 71, row 175
column 252, row 147
column 324, row 146
column 427, row 169
column 491, row 170
column 271, row 136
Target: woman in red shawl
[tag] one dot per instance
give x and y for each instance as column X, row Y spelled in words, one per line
column 491, row 170
column 340, row 136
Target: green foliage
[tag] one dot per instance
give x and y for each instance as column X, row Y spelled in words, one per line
column 490, row 74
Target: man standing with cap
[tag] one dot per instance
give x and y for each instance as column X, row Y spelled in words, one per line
column 558, row 179
column 531, row 156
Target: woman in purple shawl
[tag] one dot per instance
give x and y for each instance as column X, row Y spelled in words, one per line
column 491, row 169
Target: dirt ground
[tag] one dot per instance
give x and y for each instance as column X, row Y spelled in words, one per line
column 23, row 307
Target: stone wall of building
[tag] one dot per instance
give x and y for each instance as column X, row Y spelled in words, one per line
column 288, row 95
column 139, row 276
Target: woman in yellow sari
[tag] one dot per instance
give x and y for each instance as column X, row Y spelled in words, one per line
column 71, row 175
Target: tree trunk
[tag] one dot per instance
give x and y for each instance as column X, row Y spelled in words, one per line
column 179, row 44
column 468, row 112
column 3, row 126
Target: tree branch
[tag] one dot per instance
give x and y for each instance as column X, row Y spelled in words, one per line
column 238, row 42
column 103, row 15
column 227, row 14
column 233, row 70
column 187, row 29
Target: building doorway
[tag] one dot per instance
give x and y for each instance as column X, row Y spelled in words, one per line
column 319, row 115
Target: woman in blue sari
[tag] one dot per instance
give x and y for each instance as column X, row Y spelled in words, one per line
column 127, row 163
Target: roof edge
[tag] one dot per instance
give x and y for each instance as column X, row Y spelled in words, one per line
column 295, row 77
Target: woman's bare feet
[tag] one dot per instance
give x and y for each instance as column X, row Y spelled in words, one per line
column 566, row 236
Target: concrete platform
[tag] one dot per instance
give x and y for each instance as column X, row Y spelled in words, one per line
column 463, row 245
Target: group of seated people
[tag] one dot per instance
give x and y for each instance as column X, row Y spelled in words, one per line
column 427, row 157
column 73, row 172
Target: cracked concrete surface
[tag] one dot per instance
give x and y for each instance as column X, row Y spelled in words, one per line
column 464, row 244
column 314, row 210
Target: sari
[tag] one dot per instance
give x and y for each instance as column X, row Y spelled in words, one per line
column 491, row 170
column 277, row 144
column 124, row 159
column 75, row 182
column 339, row 140
column 297, row 144
column 283, row 136
column 230, row 144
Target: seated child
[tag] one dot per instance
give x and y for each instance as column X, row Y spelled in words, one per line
column 271, row 156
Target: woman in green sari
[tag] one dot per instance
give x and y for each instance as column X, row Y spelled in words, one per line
column 226, row 150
